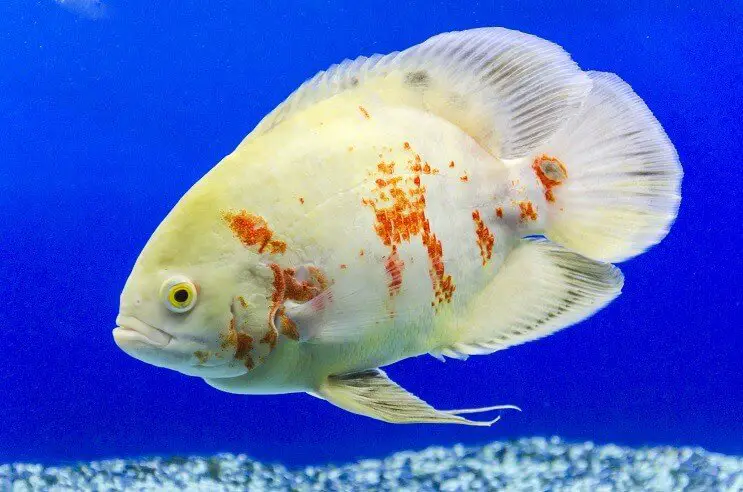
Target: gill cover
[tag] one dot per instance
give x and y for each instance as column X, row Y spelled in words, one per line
column 260, row 322
column 252, row 332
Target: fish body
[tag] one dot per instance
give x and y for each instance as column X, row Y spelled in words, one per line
column 383, row 212
column 336, row 180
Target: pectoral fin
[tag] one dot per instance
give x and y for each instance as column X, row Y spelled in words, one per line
column 373, row 394
column 540, row 289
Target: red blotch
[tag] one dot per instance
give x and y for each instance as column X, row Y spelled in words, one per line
column 271, row 337
column 527, row 211
column 386, row 167
column 318, row 277
column 244, row 346
column 394, row 267
column 402, row 216
column 549, row 182
column 279, row 285
column 252, row 230
column 241, row 342
column 288, row 327
column 485, row 239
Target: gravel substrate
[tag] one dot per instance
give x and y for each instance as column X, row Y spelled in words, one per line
column 527, row 464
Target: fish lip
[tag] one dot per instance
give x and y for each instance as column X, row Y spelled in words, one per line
column 130, row 329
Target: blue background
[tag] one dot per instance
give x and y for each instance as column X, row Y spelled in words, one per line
column 105, row 122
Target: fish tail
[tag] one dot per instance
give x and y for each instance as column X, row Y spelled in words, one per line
column 610, row 177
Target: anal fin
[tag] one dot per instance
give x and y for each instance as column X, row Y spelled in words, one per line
column 373, row 394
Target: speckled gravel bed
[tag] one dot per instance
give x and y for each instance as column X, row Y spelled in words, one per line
column 527, row 464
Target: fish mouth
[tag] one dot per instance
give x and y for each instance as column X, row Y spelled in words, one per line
column 130, row 329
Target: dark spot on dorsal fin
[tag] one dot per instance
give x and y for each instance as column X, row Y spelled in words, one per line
column 418, row 79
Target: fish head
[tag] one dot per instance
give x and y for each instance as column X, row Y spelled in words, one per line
column 194, row 301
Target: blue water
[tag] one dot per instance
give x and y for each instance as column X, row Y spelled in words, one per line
column 107, row 116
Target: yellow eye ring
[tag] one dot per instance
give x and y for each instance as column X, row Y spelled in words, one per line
column 178, row 294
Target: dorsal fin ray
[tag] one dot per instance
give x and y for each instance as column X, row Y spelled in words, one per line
column 509, row 90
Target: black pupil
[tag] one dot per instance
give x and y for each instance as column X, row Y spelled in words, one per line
column 181, row 295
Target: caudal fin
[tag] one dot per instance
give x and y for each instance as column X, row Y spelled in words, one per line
column 610, row 176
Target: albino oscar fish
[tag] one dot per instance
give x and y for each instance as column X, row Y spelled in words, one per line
column 459, row 197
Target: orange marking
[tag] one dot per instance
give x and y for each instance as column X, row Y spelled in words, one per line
column 241, row 342
column 551, row 172
column 287, row 287
column 404, row 217
column 464, row 178
column 270, row 338
column 202, row 356
column 298, row 291
column 244, row 346
column 364, row 112
column 394, row 267
column 386, row 168
column 277, row 301
column 485, row 239
column 343, row 266
column 288, row 327
column 316, row 275
column 279, row 285
column 252, row 230
column 442, row 283
column 527, row 211
column 406, row 146
column 451, row 164
column 499, row 212
column 301, row 200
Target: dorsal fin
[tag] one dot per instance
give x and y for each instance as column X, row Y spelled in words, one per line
column 509, row 90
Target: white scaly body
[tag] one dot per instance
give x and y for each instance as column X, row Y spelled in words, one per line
column 329, row 157
column 380, row 213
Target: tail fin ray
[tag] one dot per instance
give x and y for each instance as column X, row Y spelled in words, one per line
column 621, row 189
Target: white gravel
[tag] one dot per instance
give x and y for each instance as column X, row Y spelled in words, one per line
column 533, row 464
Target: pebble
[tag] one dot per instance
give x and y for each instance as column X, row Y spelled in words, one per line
column 524, row 464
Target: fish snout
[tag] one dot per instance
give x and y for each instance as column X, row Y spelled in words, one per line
column 131, row 331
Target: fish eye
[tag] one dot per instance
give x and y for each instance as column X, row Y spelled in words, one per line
column 178, row 294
